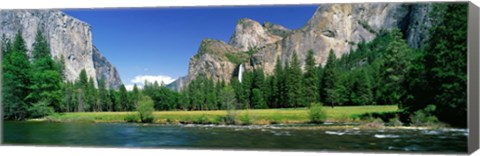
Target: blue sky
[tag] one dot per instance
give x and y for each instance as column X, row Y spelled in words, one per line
column 157, row 43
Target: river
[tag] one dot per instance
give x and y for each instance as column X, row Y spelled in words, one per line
column 447, row 140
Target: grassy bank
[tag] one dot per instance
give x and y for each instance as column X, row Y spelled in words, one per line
column 257, row 116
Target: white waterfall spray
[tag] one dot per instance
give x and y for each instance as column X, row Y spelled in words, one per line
column 240, row 72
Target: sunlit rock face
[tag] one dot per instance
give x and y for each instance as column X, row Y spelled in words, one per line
column 69, row 39
column 339, row 27
column 212, row 61
column 249, row 34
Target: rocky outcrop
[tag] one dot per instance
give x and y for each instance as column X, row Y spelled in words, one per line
column 69, row 38
column 212, row 61
column 417, row 30
column 339, row 27
column 105, row 70
column 249, row 34
column 334, row 26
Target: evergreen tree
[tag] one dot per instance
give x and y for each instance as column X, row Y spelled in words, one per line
column 319, row 90
column 394, row 68
column 361, row 88
column 135, row 96
column 90, row 96
column 218, row 88
column 115, row 100
column 16, row 80
column 123, row 99
column 246, row 95
column 47, row 78
column 329, row 81
column 41, row 48
column 311, row 79
column 103, row 96
column 258, row 101
column 278, row 85
column 269, row 91
column 210, row 96
column 258, row 86
column 295, row 84
column 69, row 101
column 81, row 91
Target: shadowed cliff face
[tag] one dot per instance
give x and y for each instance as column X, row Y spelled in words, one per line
column 69, row 38
column 333, row 26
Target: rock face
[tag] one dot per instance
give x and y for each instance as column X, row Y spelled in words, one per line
column 105, row 70
column 333, row 26
column 212, row 61
column 249, row 34
column 69, row 38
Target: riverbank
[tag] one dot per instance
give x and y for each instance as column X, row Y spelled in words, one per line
column 340, row 114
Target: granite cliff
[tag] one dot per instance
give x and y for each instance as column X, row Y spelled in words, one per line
column 333, row 26
column 68, row 37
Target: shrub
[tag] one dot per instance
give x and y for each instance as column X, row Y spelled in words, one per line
column 276, row 118
column 203, row 119
column 145, row 109
column 425, row 117
column 317, row 114
column 231, row 116
column 374, row 122
column 395, row 122
column 131, row 118
column 384, row 116
column 40, row 109
column 245, row 119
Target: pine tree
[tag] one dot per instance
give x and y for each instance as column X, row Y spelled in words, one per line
column 92, row 103
column 269, row 91
column 103, row 95
column 319, row 83
column 311, row 79
column 295, row 84
column 246, row 95
column 123, row 99
column 210, row 96
column 16, row 80
column 394, row 68
column 361, row 88
column 278, row 84
column 113, row 96
column 47, row 78
column 258, row 86
column 81, row 91
column 329, row 81
column 258, row 102
column 135, row 96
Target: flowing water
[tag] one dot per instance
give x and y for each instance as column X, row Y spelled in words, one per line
column 235, row 137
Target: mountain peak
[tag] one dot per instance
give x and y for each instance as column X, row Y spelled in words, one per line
column 249, row 34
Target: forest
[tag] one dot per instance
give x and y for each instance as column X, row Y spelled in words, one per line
column 431, row 80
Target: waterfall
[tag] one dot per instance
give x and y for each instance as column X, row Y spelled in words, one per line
column 240, row 72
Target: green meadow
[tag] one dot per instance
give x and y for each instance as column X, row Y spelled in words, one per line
column 253, row 116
